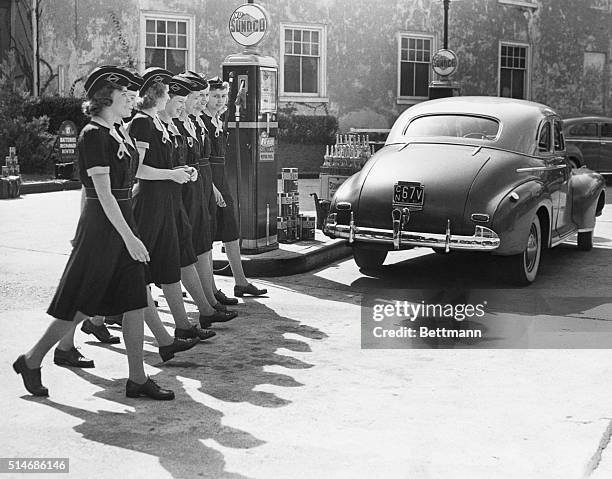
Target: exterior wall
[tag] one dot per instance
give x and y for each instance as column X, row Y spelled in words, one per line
column 362, row 45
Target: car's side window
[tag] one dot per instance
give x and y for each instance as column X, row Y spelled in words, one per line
column 559, row 143
column 544, row 138
column 606, row 130
column 584, row 129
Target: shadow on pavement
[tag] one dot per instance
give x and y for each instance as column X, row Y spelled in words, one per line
column 569, row 296
column 228, row 369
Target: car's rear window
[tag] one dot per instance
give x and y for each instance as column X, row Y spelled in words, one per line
column 461, row 126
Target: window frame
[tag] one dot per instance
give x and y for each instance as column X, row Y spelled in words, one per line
column 527, row 47
column 520, row 3
column 321, row 96
column 160, row 15
column 546, row 124
column 411, row 100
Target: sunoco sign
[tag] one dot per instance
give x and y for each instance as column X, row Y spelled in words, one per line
column 248, row 24
column 444, row 62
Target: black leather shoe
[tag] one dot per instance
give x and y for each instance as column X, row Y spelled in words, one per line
column 194, row 332
column 250, row 288
column 72, row 358
column 116, row 320
column 149, row 389
column 167, row 352
column 220, row 295
column 217, row 317
column 220, row 307
column 100, row 332
column 31, row 377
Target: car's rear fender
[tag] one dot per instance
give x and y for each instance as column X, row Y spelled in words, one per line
column 513, row 216
column 588, row 197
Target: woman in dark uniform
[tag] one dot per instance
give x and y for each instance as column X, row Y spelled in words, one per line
column 158, row 207
column 202, row 203
column 105, row 273
column 226, row 225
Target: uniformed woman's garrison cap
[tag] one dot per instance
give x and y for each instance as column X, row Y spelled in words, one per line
column 216, row 83
column 197, row 83
column 179, row 86
column 136, row 82
column 104, row 76
column 154, row 75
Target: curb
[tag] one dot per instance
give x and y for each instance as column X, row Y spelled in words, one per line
column 49, row 186
column 293, row 263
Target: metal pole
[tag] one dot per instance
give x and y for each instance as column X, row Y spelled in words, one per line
column 446, row 5
column 35, row 48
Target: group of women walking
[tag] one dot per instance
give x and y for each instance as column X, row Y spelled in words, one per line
column 157, row 230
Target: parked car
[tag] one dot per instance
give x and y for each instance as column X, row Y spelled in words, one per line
column 589, row 142
column 469, row 173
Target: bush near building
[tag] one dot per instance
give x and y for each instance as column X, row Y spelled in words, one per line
column 30, row 135
column 302, row 140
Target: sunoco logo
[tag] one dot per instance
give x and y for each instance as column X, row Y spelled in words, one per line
column 248, row 24
column 444, row 62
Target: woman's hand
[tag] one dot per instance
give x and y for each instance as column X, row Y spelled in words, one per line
column 194, row 174
column 137, row 249
column 219, row 198
column 180, row 175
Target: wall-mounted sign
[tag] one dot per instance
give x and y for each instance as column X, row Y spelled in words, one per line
column 444, row 62
column 248, row 24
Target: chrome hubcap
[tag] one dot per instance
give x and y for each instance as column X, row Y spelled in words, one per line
column 531, row 253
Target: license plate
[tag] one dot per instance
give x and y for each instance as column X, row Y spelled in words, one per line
column 410, row 194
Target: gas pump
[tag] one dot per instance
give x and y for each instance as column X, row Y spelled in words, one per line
column 251, row 164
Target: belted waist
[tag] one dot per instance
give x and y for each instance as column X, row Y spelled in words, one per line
column 120, row 194
column 204, row 161
column 217, row 160
column 194, row 165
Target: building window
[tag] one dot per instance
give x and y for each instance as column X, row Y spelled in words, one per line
column 513, row 70
column 167, row 41
column 415, row 52
column 303, row 61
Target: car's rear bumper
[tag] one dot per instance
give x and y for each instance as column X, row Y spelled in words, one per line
column 483, row 239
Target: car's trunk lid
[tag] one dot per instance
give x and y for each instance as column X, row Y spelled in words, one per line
column 446, row 172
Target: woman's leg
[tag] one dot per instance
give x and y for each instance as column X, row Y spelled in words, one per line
column 133, row 336
column 205, row 272
column 154, row 323
column 193, row 284
column 57, row 330
column 232, row 250
column 174, row 297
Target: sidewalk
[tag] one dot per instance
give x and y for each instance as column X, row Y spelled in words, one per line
column 288, row 259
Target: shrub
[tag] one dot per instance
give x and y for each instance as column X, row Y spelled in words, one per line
column 30, row 136
column 58, row 109
column 310, row 130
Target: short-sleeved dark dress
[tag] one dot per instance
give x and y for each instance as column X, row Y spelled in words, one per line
column 193, row 191
column 226, row 228
column 101, row 278
column 208, row 197
column 158, row 205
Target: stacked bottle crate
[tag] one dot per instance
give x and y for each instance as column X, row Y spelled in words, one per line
column 291, row 225
column 342, row 160
column 11, row 175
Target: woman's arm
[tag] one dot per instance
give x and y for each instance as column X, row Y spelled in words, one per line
column 146, row 172
column 135, row 247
